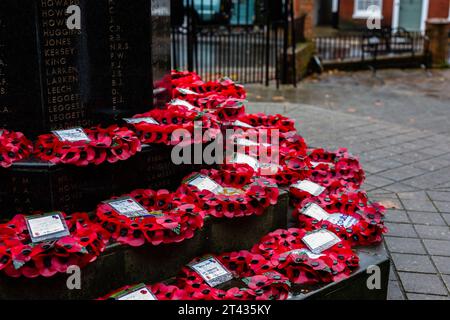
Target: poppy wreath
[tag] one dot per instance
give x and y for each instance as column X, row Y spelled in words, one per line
column 172, row 218
column 160, row 290
column 109, row 144
column 291, row 164
column 230, row 109
column 336, row 165
column 224, row 87
column 369, row 224
column 290, row 257
column 288, row 171
column 297, row 196
column 253, row 279
column 225, row 109
column 184, row 78
column 212, row 93
column 20, row 257
column 268, row 121
column 175, row 118
column 14, row 146
column 243, row 195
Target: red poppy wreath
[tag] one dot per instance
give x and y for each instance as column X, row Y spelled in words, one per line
column 338, row 165
column 224, row 87
column 81, row 147
column 158, row 125
column 232, row 276
column 230, row 192
column 14, row 146
column 25, row 250
column 184, row 78
column 293, row 253
column 282, row 166
column 266, row 121
column 150, row 216
column 348, row 214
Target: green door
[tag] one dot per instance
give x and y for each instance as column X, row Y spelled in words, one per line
column 410, row 15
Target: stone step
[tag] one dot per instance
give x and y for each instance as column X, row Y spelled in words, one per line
column 123, row 265
column 32, row 185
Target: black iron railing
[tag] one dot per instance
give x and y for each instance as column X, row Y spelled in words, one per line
column 243, row 39
column 364, row 45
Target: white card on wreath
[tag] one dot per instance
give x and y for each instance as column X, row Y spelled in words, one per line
column 320, row 240
column 140, row 293
column 183, row 103
column 46, row 227
column 148, row 120
column 310, row 187
column 205, row 183
column 212, row 271
column 72, row 135
column 128, row 207
column 314, row 211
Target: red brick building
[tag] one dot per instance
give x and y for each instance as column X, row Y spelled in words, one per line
column 408, row 14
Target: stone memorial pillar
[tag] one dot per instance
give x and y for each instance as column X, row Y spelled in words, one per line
column 56, row 74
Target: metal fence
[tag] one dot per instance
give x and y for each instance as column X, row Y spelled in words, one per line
column 243, row 39
column 360, row 46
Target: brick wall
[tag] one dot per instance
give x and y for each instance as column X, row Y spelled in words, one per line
column 305, row 6
column 438, row 9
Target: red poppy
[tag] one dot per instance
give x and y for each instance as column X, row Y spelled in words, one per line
column 14, row 146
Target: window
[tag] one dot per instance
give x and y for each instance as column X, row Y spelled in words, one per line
column 367, row 8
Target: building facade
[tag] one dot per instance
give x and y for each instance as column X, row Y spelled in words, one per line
column 408, row 14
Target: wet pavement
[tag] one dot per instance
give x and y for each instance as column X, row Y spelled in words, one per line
column 398, row 123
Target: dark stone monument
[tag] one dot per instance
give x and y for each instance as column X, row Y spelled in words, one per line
column 54, row 75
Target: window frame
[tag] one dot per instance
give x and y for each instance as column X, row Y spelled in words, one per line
column 364, row 14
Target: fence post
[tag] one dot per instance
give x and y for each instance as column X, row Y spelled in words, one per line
column 190, row 34
column 267, row 47
column 437, row 33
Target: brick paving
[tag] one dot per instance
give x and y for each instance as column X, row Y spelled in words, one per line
column 408, row 171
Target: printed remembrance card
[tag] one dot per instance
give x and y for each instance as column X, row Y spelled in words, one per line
column 47, row 227
column 300, row 252
column 212, row 271
column 320, row 240
column 138, row 292
column 148, row 120
column 315, row 164
column 250, row 143
column 241, row 124
column 314, row 211
column 241, row 158
column 342, row 220
column 182, row 103
column 71, row 135
column 128, row 207
column 310, row 187
column 204, row 183
column 186, row 91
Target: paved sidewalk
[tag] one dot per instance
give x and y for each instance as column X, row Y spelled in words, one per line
column 408, row 171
